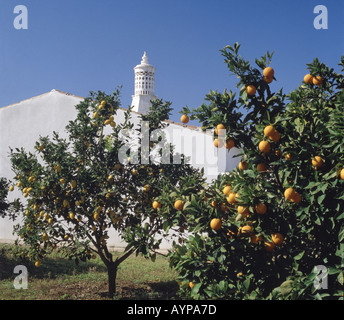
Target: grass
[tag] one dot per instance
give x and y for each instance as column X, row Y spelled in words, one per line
column 59, row 278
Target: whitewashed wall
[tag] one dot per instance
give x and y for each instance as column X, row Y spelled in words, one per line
column 21, row 125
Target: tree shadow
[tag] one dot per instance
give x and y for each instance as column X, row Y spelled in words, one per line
column 51, row 267
column 164, row 290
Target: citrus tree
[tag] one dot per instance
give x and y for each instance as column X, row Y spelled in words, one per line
column 266, row 229
column 79, row 188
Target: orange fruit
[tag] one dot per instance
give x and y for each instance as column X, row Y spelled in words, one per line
column 262, row 167
column 317, row 80
column 243, row 165
column 226, row 190
column 224, row 207
column 184, row 118
column 251, row 90
column 277, row 239
column 218, row 143
column 229, row 144
column 317, row 162
column 296, row 198
column 278, row 153
column 215, row 224
column 268, row 79
column 179, row 205
column 261, row 208
column 268, row 72
column 269, row 130
column 264, row 146
column 232, row 198
column 308, row 78
column 214, row 204
column 156, row 205
column 246, row 230
column 342, row 174
column 191, row 284
column 289, row 193
column 255, row 239
column 243, row 210
column 288, row 156
column 269, row 246
column 275, row 137
column 219, row 127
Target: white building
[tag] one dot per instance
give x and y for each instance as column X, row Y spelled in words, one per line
column 22, row 123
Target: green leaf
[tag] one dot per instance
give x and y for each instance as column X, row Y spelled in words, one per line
column 321, row 198
column 299, row 256
column 196, row 288
column 341, row 234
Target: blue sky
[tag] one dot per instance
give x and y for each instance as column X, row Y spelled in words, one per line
column 82, row 45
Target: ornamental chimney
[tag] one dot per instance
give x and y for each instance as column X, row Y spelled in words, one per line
column 144, row 86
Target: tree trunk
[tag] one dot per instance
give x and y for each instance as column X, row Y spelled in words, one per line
column 112, row 274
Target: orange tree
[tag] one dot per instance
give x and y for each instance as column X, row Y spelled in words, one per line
column 258, row 231
column 77, row 189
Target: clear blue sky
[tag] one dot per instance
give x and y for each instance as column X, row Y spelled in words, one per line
column 82, row 45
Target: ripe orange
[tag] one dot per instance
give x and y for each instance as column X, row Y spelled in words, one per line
column 269, row 130
column 243, row 165
column 219, row 127
column 224, row 207
column 246, row 230
column 255, row 239
column 288, row 156
column 232, row 198
column 191, row 284
column 251, row 90
column 229, row 144
column 184, row 118
column 268, row 72
column 275, row 136
column 297, row 198
column 156, row 205
column 269, row 246
column 268, row 79
column 264, row 146
column 261, row 208
column 215, row 224
column 289, row 193
column 218, row 143
column 317, row 162
column 243, row 210
column 317, row 80
column 214, row 204
column 277, row 239
column 226, row 190
column 278, row 153
column 179, row 205
column 342, row 174
column 262, row 167
column 308, row 78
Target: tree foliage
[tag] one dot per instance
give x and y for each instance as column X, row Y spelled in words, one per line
column 284, row 213
column 78, row 190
